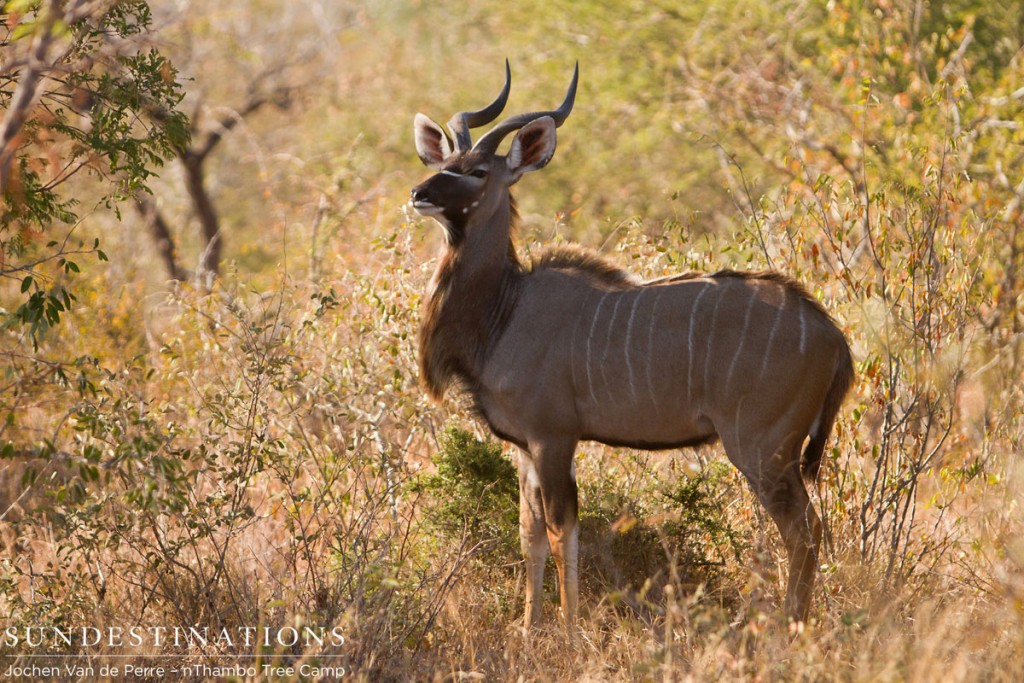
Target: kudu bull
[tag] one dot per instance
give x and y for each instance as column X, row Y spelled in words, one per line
column 573, row 348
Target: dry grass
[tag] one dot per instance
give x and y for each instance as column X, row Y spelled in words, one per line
column 252, row 468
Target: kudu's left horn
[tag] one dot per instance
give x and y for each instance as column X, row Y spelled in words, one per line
column 460, row 123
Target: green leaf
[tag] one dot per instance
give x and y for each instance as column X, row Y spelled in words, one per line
column 21, row 6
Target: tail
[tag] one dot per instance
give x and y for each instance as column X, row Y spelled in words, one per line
column 810, row 463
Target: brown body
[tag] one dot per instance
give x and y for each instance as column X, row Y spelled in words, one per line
column 574, row 349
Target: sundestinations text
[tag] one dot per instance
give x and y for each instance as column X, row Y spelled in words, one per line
column 60, row 638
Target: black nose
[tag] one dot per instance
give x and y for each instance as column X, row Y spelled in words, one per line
column 420, row 195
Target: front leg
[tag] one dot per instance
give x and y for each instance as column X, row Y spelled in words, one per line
column 532, row 537
column 553, row 462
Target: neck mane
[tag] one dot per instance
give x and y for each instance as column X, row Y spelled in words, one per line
column 469, row 303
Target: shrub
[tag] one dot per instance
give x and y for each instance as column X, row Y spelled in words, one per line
column 474, row 492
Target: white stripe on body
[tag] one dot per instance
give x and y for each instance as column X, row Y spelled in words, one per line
column 608, row 345
column 711, row 343
column 590, row 344
column 572, row 350
column 629, row 344
column 771, row 336
column 650, row 352
column 743, row 340
column 803, row 326
column 689, row 344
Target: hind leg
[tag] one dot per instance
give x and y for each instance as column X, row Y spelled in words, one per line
column 790, row 508
column 785, row 498
column 779, row 487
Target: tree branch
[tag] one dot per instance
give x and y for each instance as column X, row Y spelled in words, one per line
column 161, row 233
column 33, row 73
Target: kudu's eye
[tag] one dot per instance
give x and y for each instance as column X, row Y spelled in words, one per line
column 478, row 173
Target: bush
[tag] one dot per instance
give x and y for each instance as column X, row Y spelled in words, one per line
column 474, row 492
column 631, row 546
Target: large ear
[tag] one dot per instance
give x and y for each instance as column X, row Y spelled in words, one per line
column 432, row 143
column 532, row 147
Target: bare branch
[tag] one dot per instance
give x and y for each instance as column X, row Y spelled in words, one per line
column 280, row 95
column 34, row 69
column 192, row 159
column 26, row 95
column 162, row 237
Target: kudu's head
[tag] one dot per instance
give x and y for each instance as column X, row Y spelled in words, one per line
column 473, row 180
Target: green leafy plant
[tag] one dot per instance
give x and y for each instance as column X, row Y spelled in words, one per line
column 90, row 98
column 474, row 491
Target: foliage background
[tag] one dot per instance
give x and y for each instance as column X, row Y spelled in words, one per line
column 243, row 441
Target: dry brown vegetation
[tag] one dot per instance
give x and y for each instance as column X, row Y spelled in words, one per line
column 255, row 450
